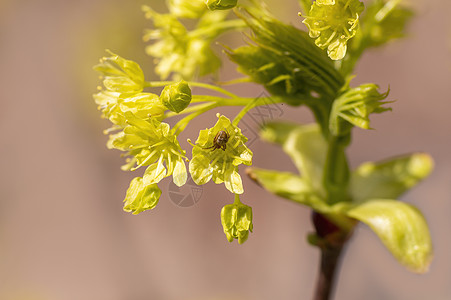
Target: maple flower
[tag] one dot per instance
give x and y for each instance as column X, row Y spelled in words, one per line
column 236, row 221
column 218, row 158
column 151, row 143
column 333, row 23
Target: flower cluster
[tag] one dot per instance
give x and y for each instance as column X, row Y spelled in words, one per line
column 333, row 23
column 177, row 50
column 124, row 84
column 139, row 131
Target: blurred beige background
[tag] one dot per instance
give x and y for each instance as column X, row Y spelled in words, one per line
column 64, row 236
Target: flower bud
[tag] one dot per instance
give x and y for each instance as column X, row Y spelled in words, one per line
column 176, row 97
column 236, row 220
column 220, row 4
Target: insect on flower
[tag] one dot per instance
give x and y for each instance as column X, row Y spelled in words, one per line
column 220, row 140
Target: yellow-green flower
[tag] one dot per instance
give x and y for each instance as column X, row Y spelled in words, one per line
column 151, row 143
column 192, row 9
column 220, row 163
column 124, row 83
column 333, row 23
column 236, row 221
column 141, row 196
column 120, row 75
column 181, row 52
column 143, row 105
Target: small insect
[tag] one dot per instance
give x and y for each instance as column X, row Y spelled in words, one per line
column 220, row 140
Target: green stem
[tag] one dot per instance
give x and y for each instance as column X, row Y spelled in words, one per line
column 181, row 125
column 237, row 199
column 336, row 170
column 197, row 110
column 256, row 102
column 191, row 109
column 192, row 83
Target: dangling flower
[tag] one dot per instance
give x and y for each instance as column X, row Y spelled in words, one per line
column 236, row 221
column 151, row 143
column 218, row 153
column 141, row 196
column 333, row 23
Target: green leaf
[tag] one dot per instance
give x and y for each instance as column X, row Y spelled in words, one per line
column 286, row 185
column 390, row 178
column 305, row 145
column 277, row 132
column 308, row 149
column 401, row 227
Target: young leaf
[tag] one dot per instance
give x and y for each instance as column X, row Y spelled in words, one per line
column 286, row 185
column 390, row 178
column 354, row 107
column 287, row 62
column 307, row 148
column 401, row 227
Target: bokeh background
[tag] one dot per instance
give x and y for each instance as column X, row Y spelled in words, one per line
column 64, row 236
